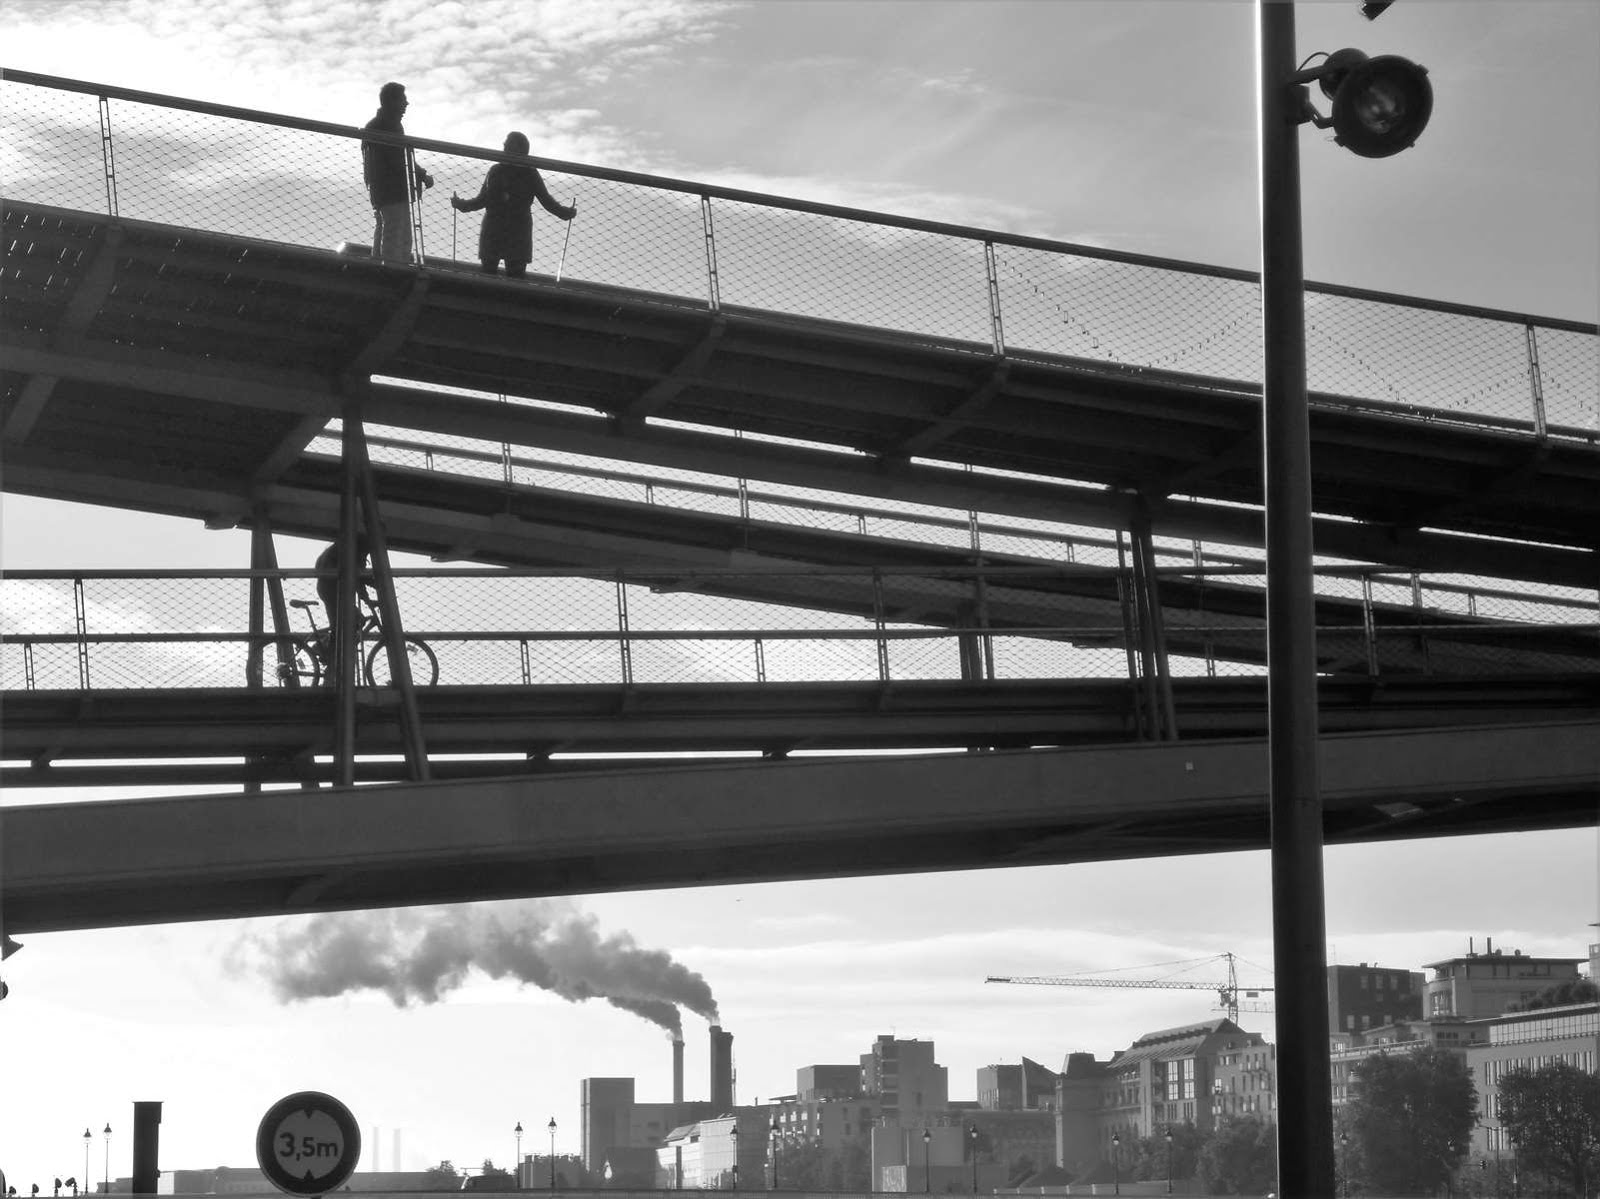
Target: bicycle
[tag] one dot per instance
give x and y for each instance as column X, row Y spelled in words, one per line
column 312, row 653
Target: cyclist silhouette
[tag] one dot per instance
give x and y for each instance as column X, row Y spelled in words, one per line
column 328, row 590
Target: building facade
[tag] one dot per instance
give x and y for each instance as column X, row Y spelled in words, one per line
column 1528, row 1041
column 1362, row 996
column 1485, row 984
column 908, row 1086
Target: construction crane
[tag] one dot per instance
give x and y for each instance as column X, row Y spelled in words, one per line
column 1227, row 992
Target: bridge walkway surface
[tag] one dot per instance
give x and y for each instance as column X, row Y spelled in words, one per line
column 1042, row 459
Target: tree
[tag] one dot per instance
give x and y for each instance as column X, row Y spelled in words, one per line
column 803, row 1167
column 1569, row 991
column 1240, row 1157
column 1154, row 1157
column 491, row 1170
column 442, row 1177
column 1411, row 1116
column 1553, row 1118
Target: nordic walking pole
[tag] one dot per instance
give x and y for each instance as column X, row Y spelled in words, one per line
column 562, row 265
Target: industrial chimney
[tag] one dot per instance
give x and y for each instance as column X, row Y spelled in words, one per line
column 677, row 1069
column 721, row 1070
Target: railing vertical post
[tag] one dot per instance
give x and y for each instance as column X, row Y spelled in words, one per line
column 27, row 665
column 526, row 661
column 394, row 638
column 880, row 624
column 761, row 660
column 108, row 156
column 1155, row 627
column 1130, row 633
column 1419, row 607
column 1535, row 381
column 346, row 641
column 1369, row 624
column 713, row 284
column 253, row 668
column 997, row 333
column 624, row 645
column 80, row 619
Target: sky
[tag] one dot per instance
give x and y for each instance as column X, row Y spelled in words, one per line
column 1128, row 125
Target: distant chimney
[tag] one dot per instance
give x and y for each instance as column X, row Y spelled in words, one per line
column 677, row 1069
column 721, row 1070
column 1488, row 945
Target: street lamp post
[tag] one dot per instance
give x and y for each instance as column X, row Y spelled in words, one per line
column 518, row 1131
column 1169, row 1161
column 108, row 1158
column 1116, row 1163
column 927, row 1138
column 972, row 1140
column 88, row 1139
column 1344, row 1165
column 552, row 1127
column 773, row 1132
column 734, row 1133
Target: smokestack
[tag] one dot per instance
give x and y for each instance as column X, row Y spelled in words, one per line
column 721, row 1070
column 677, row 1069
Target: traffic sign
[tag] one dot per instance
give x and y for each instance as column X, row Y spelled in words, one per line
column 308, row 1143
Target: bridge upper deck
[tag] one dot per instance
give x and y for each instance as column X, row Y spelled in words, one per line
column 181, row 352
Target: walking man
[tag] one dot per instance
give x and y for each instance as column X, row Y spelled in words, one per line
column 393, row 179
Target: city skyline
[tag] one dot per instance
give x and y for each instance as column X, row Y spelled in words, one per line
column 1125, row 125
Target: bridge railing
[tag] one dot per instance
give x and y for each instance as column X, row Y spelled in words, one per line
column 88, row 630
column 252, row 174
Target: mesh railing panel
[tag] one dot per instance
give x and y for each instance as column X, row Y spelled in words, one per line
column 253, row 178
column 1569, row 377
column 825, row 267
column 1129, row 315
column 504, row 628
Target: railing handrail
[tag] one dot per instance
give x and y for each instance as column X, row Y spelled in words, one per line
column 767, row 200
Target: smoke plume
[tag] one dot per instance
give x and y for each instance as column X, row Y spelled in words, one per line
column 422, row 954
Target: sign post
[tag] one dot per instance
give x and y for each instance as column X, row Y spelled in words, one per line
column 308, row 1143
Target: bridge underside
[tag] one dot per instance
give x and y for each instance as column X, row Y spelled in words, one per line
column 83, row 865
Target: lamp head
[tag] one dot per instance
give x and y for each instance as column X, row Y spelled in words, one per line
column 1380, row 105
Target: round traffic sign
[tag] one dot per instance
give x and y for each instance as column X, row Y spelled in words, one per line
column 308, row 1143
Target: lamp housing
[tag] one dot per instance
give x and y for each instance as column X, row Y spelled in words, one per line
column 1381, row 105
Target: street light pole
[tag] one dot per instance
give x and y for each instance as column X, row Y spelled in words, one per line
column 1305, row 1116
column 1116, row 1163
column 88, row 1139
column 552, row 1127
column 927, row 1138
column 734, row 1133
column 108, row 1159
column 518, row 1131
column 972, row 1139
column 1169, row 1161
column 773, row 1130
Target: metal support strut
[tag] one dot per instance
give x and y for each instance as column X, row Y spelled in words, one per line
column 360, row 494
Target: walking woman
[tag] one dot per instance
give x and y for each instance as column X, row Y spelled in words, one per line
column 507, row 196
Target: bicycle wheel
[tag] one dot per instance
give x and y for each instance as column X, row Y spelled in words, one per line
column 424, row 666
column 304, row 670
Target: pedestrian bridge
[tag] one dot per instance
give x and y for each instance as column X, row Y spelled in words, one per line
column 754, row 476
